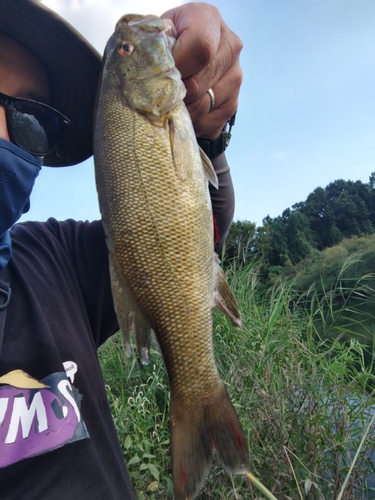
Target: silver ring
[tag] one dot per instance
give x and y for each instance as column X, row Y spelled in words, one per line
column 212, row 98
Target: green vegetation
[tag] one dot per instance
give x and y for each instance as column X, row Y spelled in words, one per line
column 304, row 397
column 343, row 209
column 301, row 373
column 326, row 245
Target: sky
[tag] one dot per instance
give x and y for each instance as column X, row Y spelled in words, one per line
column 306, row 113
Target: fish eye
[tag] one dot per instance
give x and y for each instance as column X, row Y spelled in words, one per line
column 126, row 48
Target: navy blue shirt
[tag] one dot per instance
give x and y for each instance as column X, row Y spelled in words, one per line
column 57, row 438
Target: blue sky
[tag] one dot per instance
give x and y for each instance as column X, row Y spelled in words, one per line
column 306, row 115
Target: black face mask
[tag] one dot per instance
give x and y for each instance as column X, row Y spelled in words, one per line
column 18, row 171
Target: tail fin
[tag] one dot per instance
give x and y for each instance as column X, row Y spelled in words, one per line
column 195, row 433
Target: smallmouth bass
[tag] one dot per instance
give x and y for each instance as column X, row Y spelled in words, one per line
column 152, row 183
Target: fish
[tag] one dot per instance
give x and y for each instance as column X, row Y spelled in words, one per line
column 152, row 182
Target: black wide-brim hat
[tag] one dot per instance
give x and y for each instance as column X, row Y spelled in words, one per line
column 72, row 65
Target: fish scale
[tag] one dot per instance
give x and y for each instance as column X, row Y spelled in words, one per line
column 152, row 184
column 163, row 259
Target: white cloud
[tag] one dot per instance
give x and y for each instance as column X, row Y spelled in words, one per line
column 96, row 19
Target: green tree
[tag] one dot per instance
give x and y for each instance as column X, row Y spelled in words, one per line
column 240, row 242
column 299, row 236
column 321, row 219
column 350, row 203
column 342, row 209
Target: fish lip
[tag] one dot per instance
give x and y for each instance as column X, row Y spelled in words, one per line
column 170, row 29
column 166, row 72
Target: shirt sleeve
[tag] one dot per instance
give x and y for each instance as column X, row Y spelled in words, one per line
column 222, row 199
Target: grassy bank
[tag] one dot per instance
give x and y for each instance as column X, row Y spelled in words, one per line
column 304, row 402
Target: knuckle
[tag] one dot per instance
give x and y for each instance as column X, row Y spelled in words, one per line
column 228, row 109
column 233, row 40
column 205, row 50
column 237, row 77
column 237, row 44
column 233, row 80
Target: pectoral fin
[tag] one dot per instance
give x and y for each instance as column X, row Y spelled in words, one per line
column 209, row 169
column 182, row 145
column 180, row 150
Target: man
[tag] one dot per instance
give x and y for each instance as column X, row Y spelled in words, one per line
column 57, row 438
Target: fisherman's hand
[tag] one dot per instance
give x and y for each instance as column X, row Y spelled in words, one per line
column 207, row 55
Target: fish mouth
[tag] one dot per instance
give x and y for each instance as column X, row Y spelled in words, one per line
column 168, row 73
column 170, row 29
column 148, row 23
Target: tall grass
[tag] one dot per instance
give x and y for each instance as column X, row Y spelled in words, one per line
column 304, row 401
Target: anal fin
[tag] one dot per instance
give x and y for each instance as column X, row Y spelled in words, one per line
column 223, row 298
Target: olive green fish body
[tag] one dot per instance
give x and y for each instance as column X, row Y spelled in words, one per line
column 156, row 211
column 159, row 227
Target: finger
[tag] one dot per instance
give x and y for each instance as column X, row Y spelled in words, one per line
column 210, row 127
column 208, row 124
column 198, row 29
column 207, row 54
column 226, row 58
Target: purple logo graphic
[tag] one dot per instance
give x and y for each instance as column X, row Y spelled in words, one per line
column 34, row 421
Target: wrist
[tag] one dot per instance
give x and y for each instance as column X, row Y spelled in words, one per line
column 214, row 148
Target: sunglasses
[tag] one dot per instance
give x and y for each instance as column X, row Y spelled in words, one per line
column 32, row 125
